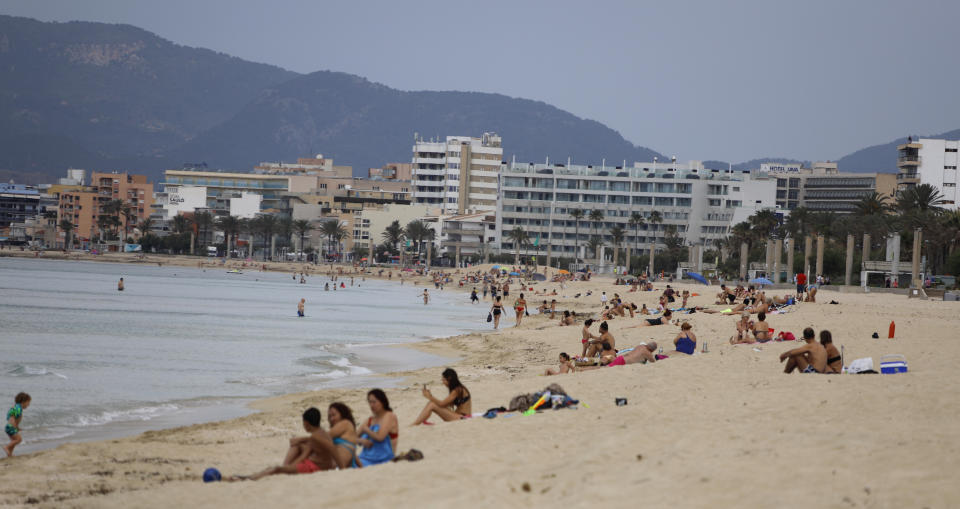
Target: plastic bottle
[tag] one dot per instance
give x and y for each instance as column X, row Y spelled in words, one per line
column 893, row 327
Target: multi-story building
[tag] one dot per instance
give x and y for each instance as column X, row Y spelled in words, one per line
column 82, row 206
column 17, row 203
column 930, row 161
column 823, row 188
column 467, row 238
column 459, row 174
column 700, row 204
column 392, row 171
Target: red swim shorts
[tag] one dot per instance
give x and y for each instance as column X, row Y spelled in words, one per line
column 619, row 361
column 307, row 467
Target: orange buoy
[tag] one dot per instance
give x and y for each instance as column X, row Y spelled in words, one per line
column 893, row 327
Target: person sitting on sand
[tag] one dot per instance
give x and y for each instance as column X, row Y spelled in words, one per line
column 569, row 318
column 834, row 359
column 726, row 296
column 686, row 341
column 380, row 433
column 809, row 358
column 343, row 431
column 761, row 329
column 312, row 453
column 543, row 308
column 660, row 320
column 454, row 407
column 566, row 366
column 605, row 338
column 744, row 330
column 644, row 310
column 811, row 294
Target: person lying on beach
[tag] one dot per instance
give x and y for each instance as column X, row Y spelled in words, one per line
column 640, row 354
column 761, row 329
column 306, row 455
column 834, row 360
column 379, row 435
column 660, row 320
column 809, row 358
column 343, row 431
column 454, row 407
column 686, row 341
column 595, row 345
column 566, row 366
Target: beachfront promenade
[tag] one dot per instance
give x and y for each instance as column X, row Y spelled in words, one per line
column 724, row 428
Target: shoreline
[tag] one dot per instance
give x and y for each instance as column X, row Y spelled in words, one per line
column 693, row 430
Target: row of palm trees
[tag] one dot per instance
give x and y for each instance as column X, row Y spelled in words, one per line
column 416, row 231
column 919, row 206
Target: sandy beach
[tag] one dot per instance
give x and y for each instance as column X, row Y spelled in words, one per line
column 720, row 429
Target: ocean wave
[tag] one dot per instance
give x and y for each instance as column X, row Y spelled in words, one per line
column 24, row 370
column 134, row 414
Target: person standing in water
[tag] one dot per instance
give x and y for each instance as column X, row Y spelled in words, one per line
column 300, row 307
column 426, row 296
column 120, row 285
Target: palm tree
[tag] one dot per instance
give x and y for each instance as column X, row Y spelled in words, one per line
column 594, row 244
column 203, row 220
column 872, row 204
column 329, row 230
column 112, row 210
column 67, row 228
column 417, row 232
column 655, row 218
column 145, row 226
column 393, row 235
column 577, row 215
column 339, row 233
column 764, row 223
column 519, row 238
column 617, row 233
column 267, row 227
column 180, row 223
column 636, row 220
column 231, row 227
column 301, row 227
column 920, row 198
column 285, row 229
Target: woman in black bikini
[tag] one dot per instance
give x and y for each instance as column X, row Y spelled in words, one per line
column 834, row 360
column 456, row 405
column 497, row 310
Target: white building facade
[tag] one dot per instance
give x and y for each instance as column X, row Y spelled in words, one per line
column 701, row 204
column 457, row 175
column 930, row 161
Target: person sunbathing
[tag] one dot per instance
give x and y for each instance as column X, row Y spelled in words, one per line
column 607, row 354
column 761, row 329
column 809, row 358
column 456, row 405
column 834, row 359
column 660, row 320
column 586, row 336
column 686, row 341
column 566, row 366
column 640, row 354
column 312, row 453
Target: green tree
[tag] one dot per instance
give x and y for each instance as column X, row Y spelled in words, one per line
column 203, row 221
column 577, row 215
column 231, row 226
column 636, row 221
column 67, row 228
column 302, row 228
column 519, row 239
column 180, row 223
column 617, row 233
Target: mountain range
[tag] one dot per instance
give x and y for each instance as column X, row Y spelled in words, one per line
column 116, row 97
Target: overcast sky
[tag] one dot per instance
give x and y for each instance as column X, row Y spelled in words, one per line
column 807, row 79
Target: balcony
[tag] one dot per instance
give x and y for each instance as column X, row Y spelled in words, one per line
column 908, row 176
column 908, row 160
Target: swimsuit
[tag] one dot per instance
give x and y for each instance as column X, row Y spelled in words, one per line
column 307, row 467
column 655, row 321
column 350, row 446
column 619, row 361
column 15, row 412
column 831, row 360
column 809, row 369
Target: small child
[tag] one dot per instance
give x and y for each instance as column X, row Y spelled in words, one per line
column 14, row 416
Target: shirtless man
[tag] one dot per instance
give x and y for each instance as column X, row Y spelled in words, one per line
column 641, row 354
column 306, row 455
column 300, row 307
column 605, row 338
column 553, row 306
column 809, row 358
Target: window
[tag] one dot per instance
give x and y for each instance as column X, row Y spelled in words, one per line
column 951, row 150
column 341, row 186
column 714, row 202
column 782, row 193
column 781, row 182
column 954, row 167
column 949, row 184
column 794, row 182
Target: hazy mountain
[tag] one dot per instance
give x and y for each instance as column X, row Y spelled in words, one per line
column 110, row 96
column 883, row 158
column 366, row 124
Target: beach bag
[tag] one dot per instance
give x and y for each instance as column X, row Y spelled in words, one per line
column 489, row 317
column 786, row 336
column 861, row 365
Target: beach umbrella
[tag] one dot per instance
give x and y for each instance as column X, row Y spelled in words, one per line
column 698, row 277
column 761, row 281
column 539, row 277
column 495, row 267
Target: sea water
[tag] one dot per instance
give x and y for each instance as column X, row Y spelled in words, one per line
column 182, row 345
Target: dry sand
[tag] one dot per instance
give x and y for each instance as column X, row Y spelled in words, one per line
column 721, row 429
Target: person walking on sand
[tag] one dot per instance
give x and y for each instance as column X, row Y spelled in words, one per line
column 120, row 285
column 300, row 307
column 496, row 310
column 20, row 403
column 520, row 305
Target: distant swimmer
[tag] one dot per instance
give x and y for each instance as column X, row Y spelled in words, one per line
column 300, row 307
column 342, row 285
column 326, row 287
column 426, row 296
column 120, row 285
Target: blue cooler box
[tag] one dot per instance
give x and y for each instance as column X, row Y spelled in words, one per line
column 893, row 364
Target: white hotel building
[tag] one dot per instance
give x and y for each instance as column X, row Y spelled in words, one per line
column 458, row 175
column 930, row 161
column 701, row 204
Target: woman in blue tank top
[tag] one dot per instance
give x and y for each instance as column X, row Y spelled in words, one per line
column 380, row 433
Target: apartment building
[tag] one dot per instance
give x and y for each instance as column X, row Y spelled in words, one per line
column 823, row 188
column 930, row 161
column 459, row 174
column 17, row 203
column 83, row 205
column 701, row 204
column 222, row 187
column 392, row 171
column 467, row 237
